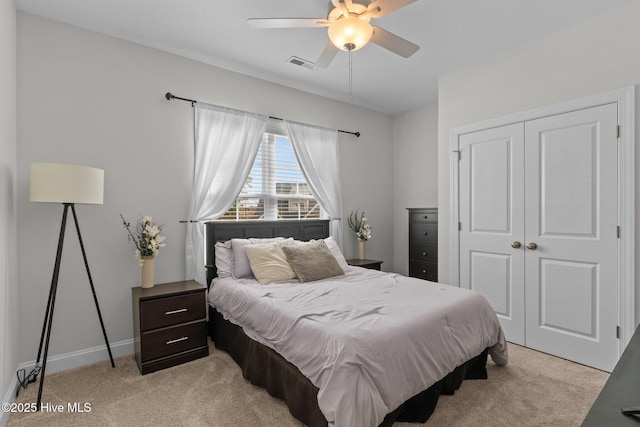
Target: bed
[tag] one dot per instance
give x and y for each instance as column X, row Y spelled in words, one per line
column 378, row 362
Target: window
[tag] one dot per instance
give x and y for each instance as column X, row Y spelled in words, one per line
column 276, row 187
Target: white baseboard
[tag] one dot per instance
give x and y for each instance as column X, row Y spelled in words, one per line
column 85, row 357
column 63, row 362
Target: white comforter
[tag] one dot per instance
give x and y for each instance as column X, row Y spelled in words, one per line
column 368, row 340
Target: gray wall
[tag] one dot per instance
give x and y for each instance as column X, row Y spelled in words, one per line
column 8, row 211
column 415, row 174
column 594, row 57
column 94, row 100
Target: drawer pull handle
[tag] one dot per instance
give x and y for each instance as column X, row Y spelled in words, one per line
column 182, row 310
column 424, row 254
column 425, row 217
column 424, row 271
column 424, row 233
column 177, row 340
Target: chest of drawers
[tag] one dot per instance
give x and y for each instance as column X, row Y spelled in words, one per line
column 423, row 243
column 169, row 322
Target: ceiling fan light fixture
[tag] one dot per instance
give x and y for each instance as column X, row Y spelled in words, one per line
column 350, row 33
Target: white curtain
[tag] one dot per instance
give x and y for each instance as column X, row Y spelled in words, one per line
column 317, row 152
column 226, row 143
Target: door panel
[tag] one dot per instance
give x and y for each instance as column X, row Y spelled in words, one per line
column 562, row 281
column 568, row 162
column 491, row 166
column 571, row 215
column 491, row 209
column 487, row 270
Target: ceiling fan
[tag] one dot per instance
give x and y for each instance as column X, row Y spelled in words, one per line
column 349, row 27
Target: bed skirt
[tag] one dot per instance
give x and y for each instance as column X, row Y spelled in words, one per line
column 264, row 367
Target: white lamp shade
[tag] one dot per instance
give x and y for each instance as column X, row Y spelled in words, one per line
column 63, row 183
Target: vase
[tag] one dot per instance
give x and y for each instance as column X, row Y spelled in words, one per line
column 361, row 248
column 147, row 272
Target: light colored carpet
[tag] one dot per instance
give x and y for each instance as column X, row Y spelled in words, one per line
column 535, row 389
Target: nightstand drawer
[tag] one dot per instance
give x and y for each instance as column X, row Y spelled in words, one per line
column 167, row 341
column 424, row 234
column 423, row 270
column 172, row 310
column 424, row 217
column 423, row 253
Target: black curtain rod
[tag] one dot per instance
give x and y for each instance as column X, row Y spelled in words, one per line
column 171, row 96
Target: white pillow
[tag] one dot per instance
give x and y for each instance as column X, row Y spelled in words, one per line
column 223, row 255
column 240, row 267
column 262, row 240
column 337, row 253
column 269, row 263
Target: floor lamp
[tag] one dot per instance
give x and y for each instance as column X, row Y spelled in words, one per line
column 66, row 184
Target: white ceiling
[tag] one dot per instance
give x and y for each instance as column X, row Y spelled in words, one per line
column 451, row 33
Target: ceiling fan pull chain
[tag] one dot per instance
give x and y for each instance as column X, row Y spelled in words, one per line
column 350, row 79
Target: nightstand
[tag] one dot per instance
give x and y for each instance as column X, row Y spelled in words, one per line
column 170, row 324
column 366, row 263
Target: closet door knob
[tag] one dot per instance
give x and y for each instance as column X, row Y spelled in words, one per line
column 532, row 246
column 515, row 244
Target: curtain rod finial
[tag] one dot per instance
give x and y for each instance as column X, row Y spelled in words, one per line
column 169, row 96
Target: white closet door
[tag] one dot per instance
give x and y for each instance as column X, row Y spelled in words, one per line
column 492, row 219
column 571, row 216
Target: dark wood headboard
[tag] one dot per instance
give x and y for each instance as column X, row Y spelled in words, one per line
column 220, row 231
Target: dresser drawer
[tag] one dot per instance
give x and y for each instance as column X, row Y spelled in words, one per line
column 168, row 341
column 423, row 253
column 172, row 310
column 423, row 270
column 424, row 234
column 424, row 217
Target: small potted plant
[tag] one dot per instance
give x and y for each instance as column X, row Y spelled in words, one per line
column 358, row 223
column 147, row 240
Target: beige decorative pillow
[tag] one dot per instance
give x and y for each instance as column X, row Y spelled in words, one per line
column 269, row 263
column 312, row 261
column 240, row 266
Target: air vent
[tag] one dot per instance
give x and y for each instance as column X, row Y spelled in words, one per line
column 301, row 62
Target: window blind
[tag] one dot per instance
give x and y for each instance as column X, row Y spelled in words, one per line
column 276, row 187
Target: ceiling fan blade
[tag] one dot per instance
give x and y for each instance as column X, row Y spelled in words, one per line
column 326, row 56
column 380, row 8
column 393, row 43
column 268, row 23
